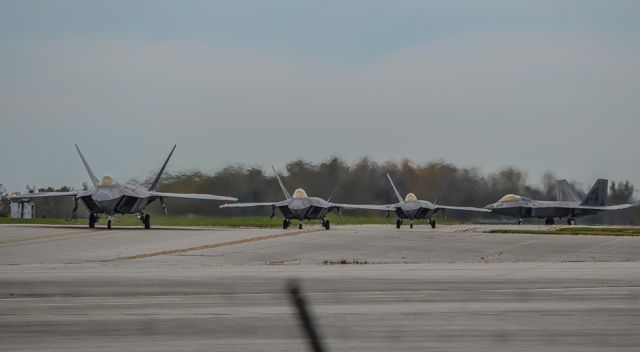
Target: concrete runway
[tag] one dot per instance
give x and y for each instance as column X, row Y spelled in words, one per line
column 450, row 289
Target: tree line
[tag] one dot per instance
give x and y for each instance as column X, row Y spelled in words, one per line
column 362, row 182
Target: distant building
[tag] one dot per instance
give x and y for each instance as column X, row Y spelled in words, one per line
column 23, row 210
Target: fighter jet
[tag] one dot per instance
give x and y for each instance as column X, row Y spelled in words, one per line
column 300, row 206
column 567, row 204
column 413, row 209
column 109, row 197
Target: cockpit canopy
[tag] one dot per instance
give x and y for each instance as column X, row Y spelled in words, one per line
column 107, row 180
column 513, row 198
column 299, row 193
column 410, row 198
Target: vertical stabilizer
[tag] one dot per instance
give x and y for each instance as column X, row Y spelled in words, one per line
column 394, row 188
column 93, row 178
column 284, row 189
column 566, row 193
column 335, row 190
column 597, row 196
column 154, row 185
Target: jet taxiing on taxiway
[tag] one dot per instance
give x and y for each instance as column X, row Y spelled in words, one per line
column 413, row 208
column 567, row 204
column 300, row 206
column 109, row 197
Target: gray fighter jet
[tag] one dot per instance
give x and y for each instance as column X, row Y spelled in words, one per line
column 567, row 204
column 300, row 206
column 413, row 209
column 109, row 197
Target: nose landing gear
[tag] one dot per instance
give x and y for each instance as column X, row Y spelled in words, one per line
column 549, row 221
column 571, row 221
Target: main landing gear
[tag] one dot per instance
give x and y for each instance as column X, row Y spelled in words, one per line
column 571, row 221
column 109, row 221
column 326, row 224
column 398, row 223
column 145, row 219
column 549, row 221
column 285, row 224
column 432, row 223
column 93, row 219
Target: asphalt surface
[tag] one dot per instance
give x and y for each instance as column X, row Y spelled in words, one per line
column 371, row 288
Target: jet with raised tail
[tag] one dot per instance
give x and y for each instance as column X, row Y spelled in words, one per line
column 107, row 197
column 568, row 204
column 299, row 206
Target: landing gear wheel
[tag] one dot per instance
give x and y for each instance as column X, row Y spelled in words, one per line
column 411, row 225
column 326, row 224
column 519, row 221
column 285, row 224
column 147, row 221
column 398, row 223
column 109, row 224
column 571, row 221
column 433, row 224
column 548, row 221
column 300, row 226
column 92, row 220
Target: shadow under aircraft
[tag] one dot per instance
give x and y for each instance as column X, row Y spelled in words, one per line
column 568, row 204
column 109, row 197
column 300, row 206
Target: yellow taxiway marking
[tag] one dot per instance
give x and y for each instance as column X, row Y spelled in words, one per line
column 43, row 237
column 216, row 245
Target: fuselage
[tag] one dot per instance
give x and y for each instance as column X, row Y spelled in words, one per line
column 115, row 198
column 522, row 207
column 302, row 207
column 413, row 208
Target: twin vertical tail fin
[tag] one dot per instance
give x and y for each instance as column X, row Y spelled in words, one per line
column 156, row 181
column 566, row 193
column 394, row 188
column 93, row 178
column 597, row 196
column 335, row 190
column 443, row 189
column 284, row 189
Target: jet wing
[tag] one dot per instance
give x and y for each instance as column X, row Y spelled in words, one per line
column 190, row 196
column 463, row 208
column 603, row 207
column 365, row 206
column 243, row 205
column 45, row 194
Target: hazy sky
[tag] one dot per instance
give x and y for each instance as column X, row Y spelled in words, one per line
column 538, row 85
